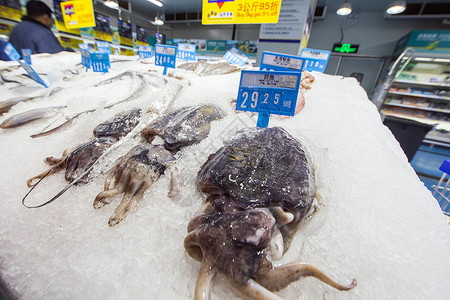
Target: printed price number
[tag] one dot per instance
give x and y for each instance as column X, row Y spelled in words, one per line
column 162, row 60
column 100, row 62
column 186, row 55
column 265, row 100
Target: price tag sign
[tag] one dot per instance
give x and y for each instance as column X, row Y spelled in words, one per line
column 145, row 51
column 236, row 57
column 100, row 62
column 85, row 58
column 315, row 60
column 103, row 47
column 11, row 52
column 26, row 55
column 268, row 92
column 165, row 56
column 271, row 61
column 33, row 74
column 186, row 51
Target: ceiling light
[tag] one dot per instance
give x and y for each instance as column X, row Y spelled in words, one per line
column 158, row 22
column 112, row 4
column 344, row 9
column 423, row 59
column 396, row 7
column 156, row 2
column 442, row 60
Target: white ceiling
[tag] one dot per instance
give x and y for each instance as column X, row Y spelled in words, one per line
column 146, row 9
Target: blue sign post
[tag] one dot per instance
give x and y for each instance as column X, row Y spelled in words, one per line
column 186, row 51
column 33, row 74
column 145, row 51
column 272, row 61
column 165, row 56
column 268, row 92
column 315, row 60
column 236, row 57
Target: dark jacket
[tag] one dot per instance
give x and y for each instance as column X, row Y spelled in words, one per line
column 3, row 55
column 32, row 34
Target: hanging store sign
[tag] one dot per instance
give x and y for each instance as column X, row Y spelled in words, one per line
column 186, row 51
column 78, row 14
column 345, row 48
column 315, row 60
column 268, row 92
column 240, row 11
column 165, row 56
column 271, row 61
column 236, row 57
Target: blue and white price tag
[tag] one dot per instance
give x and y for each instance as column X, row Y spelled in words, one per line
column 271, row 61
column 103, row 47
column 35, row 76
column 236, row 57
column 165, row 56
column 85, row 58
column 268, row 92
column 186, row 51
column 11, row 52
column 315, row 60
column 145, row 51
column 84, row 46
column 26, row 55
column 100, row 62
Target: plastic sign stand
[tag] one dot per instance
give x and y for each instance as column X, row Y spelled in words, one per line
column 186, row 51
column 26, row 55
column 271, row 61
column 316, row 60
column 268, row 92
column 236, row 57
column 145, row 52
column 11, row 52
column 33, row 74
column 103, row 47
column 165, row 56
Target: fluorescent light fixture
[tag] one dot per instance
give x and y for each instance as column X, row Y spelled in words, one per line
column 423, row 59
column 345, row 9
column 442, row 60
column 158, row 22
column 112, row 4
column 156, row 2
column 396, row 7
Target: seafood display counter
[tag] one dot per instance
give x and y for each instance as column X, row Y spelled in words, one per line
column 135, row 185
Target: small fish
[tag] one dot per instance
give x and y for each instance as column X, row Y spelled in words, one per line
column 31, row 115
column 6, row 105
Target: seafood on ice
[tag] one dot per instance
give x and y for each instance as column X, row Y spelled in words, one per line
column 136, row 171
column 260, row 187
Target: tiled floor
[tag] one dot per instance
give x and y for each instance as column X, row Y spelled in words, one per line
column 426, row 163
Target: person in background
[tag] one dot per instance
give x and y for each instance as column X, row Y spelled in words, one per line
column 3, row 55
column 34, row 32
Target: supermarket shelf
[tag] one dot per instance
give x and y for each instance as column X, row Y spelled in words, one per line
column 419, row 95
column 419, row 107
column 444, row 85
column 444, row 125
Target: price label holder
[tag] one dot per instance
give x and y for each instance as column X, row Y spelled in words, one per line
column 268, row 92
column 165, row 56
column 100, row 62
column 236, row 57
column 272, row 61
column 11, row 52
column 186, row 51
column 33, row 74
column 145, row 52
column 26, row 55
column 315, row 60
column 103, row 47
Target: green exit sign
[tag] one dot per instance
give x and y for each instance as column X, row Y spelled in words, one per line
column 345, row 48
